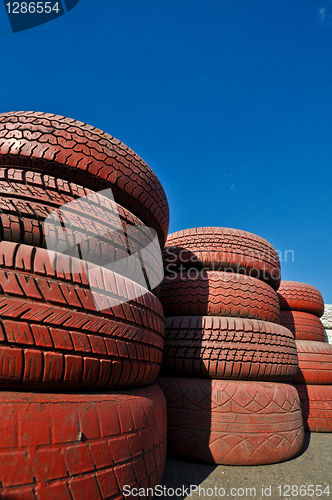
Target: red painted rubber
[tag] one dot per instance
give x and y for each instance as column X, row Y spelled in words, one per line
column 216, row 293
column 81, row 446
column 222, row 248
column 315, row 362
column 96, row 228
column 233, row 422
column 304, row 326
column 75, row 151
column 300, row 297
column 53, row 335
column 316, row 403
column 229, row 348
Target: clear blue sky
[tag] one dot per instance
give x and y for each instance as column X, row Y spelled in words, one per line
column 229, row 101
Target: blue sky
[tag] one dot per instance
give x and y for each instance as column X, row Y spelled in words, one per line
column 228, row 101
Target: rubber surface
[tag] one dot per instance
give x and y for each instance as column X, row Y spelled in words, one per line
column 75, row 151
column 315, row 362
column 216, row 293
column 233, row 422
column 53, row 335
column 96, row 229
column 222, row 248
column 300, row 297
column 316, row 403
column 229, row 348
column 304, row 326
column 79, row 446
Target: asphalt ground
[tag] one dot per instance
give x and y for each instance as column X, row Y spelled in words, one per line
column 311, row 469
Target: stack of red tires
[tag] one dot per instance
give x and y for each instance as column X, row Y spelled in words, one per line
column 301, row 306
column 80, row 343
column 226, row 360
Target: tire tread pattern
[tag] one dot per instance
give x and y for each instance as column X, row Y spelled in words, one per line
column 229, row 348
column 51, row 333
column 81, row 446
column 75, row 151
column 304, row 326
column 315, row 363
column 233, row 422
column 218, row 293
column 316, row 403
column 97, row 227
column 221, row 248
column 300, row 297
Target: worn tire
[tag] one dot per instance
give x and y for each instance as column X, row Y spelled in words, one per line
column 222, row 248
column 216, row 293
column 52, row 334
column 232, row 422
column 315, row 363
column 81, row 153
column 228, row 348
column 300, row 297
column 81, row 446
column 304, row 326
column 316, row 403
column 96, row 229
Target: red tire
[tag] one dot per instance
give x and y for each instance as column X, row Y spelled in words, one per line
column 216, row 293
column 229, row 348
column 96, row 228
column 316, row 403
column 81, row 446
column 220, row 249
column 81, row 153
column 300, row 297
column 304, row 326
column 52, row 334
column 315, row 363
column 233, row 422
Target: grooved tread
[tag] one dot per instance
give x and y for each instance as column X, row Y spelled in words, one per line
column 304, row 326
column 96, row 228
column 233, row 422
column 300, row 297
column 53, row 335
column 75, row 151
column 316, row 403
column 81, row 446
column 229, row 348
column 315, row 362
column 222, row 248
column 218, row 293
